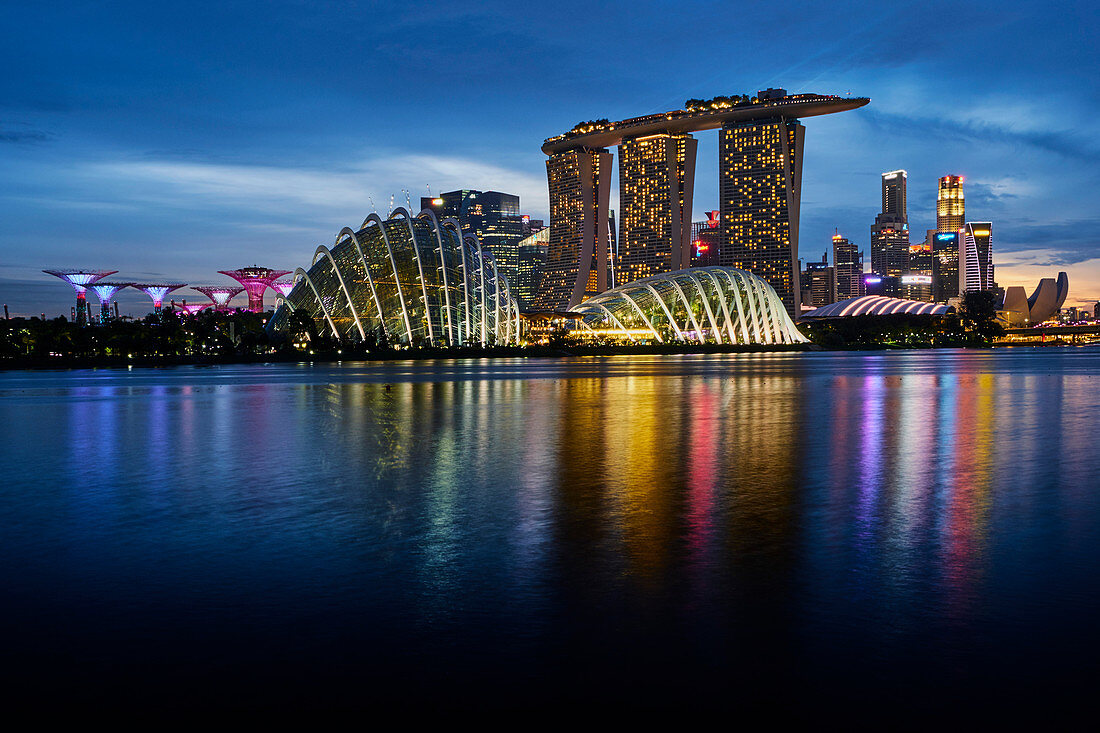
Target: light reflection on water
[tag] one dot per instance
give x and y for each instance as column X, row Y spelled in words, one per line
column 924, row 516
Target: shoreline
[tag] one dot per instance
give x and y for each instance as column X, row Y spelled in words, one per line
column 430, row 354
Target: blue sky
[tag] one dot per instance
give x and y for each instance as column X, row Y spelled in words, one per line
column 169, row 141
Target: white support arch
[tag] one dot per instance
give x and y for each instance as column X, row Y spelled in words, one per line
column 402, row 212
column 641, row 313
column 430, row 216
column 321, row 303
column 396, row 279
column 617, row 321
column 687, row 306
column 465, row 277
column 664, row 307
column 722, row 301
column 366, row 268
column 750, row 304
column 481, row 273
column 706, row 306
column 322, row 249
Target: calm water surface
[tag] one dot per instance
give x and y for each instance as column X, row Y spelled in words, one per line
column 918, row 527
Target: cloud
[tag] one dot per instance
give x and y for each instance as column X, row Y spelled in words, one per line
column 315, row 192
column 20, row 132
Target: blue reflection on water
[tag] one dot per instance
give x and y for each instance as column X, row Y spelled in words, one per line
column 657, row 528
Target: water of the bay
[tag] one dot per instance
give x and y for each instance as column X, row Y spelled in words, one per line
column 913, row 528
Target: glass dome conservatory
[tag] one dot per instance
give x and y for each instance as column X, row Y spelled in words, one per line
column 411, row 280
column 720, row 305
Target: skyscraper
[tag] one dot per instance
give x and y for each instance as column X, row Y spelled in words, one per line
column 819, row 283
column 531, row 263
column 848, row 262
column 706, row 241
column 656, row 184
column 950, row 205
column 580, row 184
column 976, row 262
column 760, row 186
column 916, row 283
column 890, row 232
column 945, row 265
column 493, row 216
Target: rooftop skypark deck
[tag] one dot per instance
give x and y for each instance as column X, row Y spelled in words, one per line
column 700, row 115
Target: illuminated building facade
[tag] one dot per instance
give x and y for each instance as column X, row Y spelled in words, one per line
column 491, row 215
column 890, row 232
column 656, row 184
column 976, row 260
column 818, row 283
column 916, row 284
column 219, row 295
column 848, row 263
column 255, row 280
column 578, row 255
column 106, row 292
column 532, row 260
column 157, row 291
column 945, row 264
column 760, row 187
column 950, row 205
column 79, row 280
column 404, row 280
column 719, row 305
column 760, row 176
column 706, row 240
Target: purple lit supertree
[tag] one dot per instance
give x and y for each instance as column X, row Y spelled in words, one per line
column 80, row 280
column 255, row 281
column 157, row 291
column 193, row 308
column 221, row 296
column 283, row 287
column 106, row 292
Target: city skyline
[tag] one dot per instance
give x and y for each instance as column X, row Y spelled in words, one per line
column 170, row 171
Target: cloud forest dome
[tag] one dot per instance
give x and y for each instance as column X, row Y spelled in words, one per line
column 706, row 304
column 410, row 279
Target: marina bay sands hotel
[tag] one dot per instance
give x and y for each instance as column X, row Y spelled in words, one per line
column 759, row 183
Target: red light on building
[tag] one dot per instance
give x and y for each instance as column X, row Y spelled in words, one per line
column 712, row 219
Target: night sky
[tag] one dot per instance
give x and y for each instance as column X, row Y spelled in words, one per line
column 169, row 141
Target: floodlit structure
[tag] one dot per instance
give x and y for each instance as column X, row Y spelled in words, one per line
column 720, row 305
column 1044, row 303
column 760, row 153
column 255, row 280
column 80, row 280
column 877, row 305
column 219, row 295
column 157, row 291
column 407, row 280
column 106, row 292
column 283, row 287
column 192, row 308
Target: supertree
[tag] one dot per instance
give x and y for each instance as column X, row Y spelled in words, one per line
column 192, row 308
column 255, row 281
column 80, row 280
column 106, row 293
column 283, row 287
column 221, row 296
column 157, row 291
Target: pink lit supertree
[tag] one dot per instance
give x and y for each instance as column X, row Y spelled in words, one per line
column 255, row 281
column 80, row 280
column 221, row 296
column 106, row 292
column 192, row 308
column 283, row 287
column 157, row 291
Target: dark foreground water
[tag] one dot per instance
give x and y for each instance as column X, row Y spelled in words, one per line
column 917, row 529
